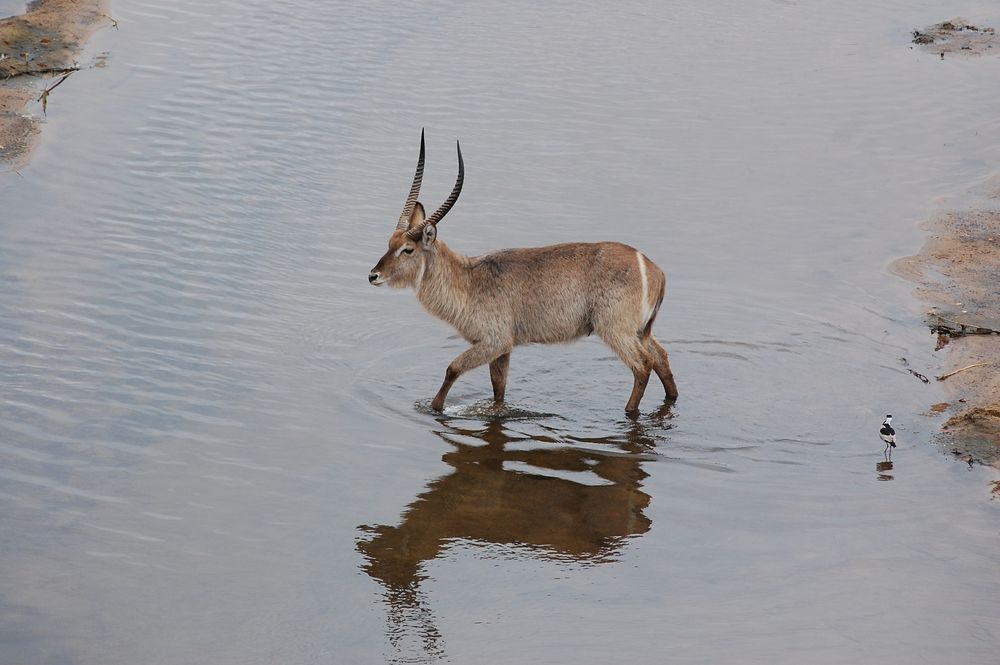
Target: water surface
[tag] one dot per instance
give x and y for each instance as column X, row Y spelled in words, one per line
column 214, row 440
column 11, row 7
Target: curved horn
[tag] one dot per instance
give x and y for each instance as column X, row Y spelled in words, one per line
column 411, row 200
column 449, row 202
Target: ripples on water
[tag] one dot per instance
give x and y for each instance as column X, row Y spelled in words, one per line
column 203, row 399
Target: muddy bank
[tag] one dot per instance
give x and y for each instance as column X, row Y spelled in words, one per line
column 959, row 37
column 43, row 42
column 958, row 275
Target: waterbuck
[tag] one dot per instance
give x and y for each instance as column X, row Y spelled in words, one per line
column 546, row 295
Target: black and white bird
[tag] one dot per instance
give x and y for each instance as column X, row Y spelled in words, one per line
column 888, row 434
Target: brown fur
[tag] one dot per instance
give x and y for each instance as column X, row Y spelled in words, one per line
column 542, row 295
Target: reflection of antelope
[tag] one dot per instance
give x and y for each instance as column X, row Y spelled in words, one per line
column 484, row 501
column 501, row 493
column 548, row 294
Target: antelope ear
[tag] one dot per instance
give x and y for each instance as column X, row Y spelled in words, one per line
column 418, row 215
column 429, row 236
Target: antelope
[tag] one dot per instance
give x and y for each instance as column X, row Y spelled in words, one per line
column 546, row 295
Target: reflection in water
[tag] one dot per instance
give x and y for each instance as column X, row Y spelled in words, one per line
column 883, row 469
column 563, row 502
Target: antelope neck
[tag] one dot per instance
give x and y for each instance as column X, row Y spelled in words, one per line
column 443, row 284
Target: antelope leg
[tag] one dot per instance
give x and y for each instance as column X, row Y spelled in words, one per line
column 478, row 354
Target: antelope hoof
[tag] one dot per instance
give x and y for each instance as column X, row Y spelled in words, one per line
column 437, row 405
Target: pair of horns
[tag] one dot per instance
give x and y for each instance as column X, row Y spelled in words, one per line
column 411, row 200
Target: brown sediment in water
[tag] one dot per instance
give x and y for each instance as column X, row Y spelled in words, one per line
column 44, row 41
column 957, row 37
column 958, row 274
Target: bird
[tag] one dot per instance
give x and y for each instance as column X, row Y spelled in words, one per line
column 888, row 434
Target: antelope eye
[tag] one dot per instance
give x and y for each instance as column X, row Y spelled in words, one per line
column 407, row 250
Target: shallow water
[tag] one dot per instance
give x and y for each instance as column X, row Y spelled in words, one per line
column 11, row 7
column 214, row 437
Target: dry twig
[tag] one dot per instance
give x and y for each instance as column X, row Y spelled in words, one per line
column 44, row 97
column 962, row 369
column 43, row 70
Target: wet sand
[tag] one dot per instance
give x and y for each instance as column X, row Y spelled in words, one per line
column 44, row 41
column 958, row 36
column 958, row 272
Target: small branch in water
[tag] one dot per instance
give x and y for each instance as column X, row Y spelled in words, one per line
column 945, row 376
column 906, row 365
column 44, row 97
column 114, row 23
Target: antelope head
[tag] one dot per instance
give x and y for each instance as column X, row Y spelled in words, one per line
column 415, row 234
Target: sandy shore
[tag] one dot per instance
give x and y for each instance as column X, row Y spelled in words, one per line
column 958, row 275
column 43, row 42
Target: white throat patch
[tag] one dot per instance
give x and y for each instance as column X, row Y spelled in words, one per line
column 420, row 274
